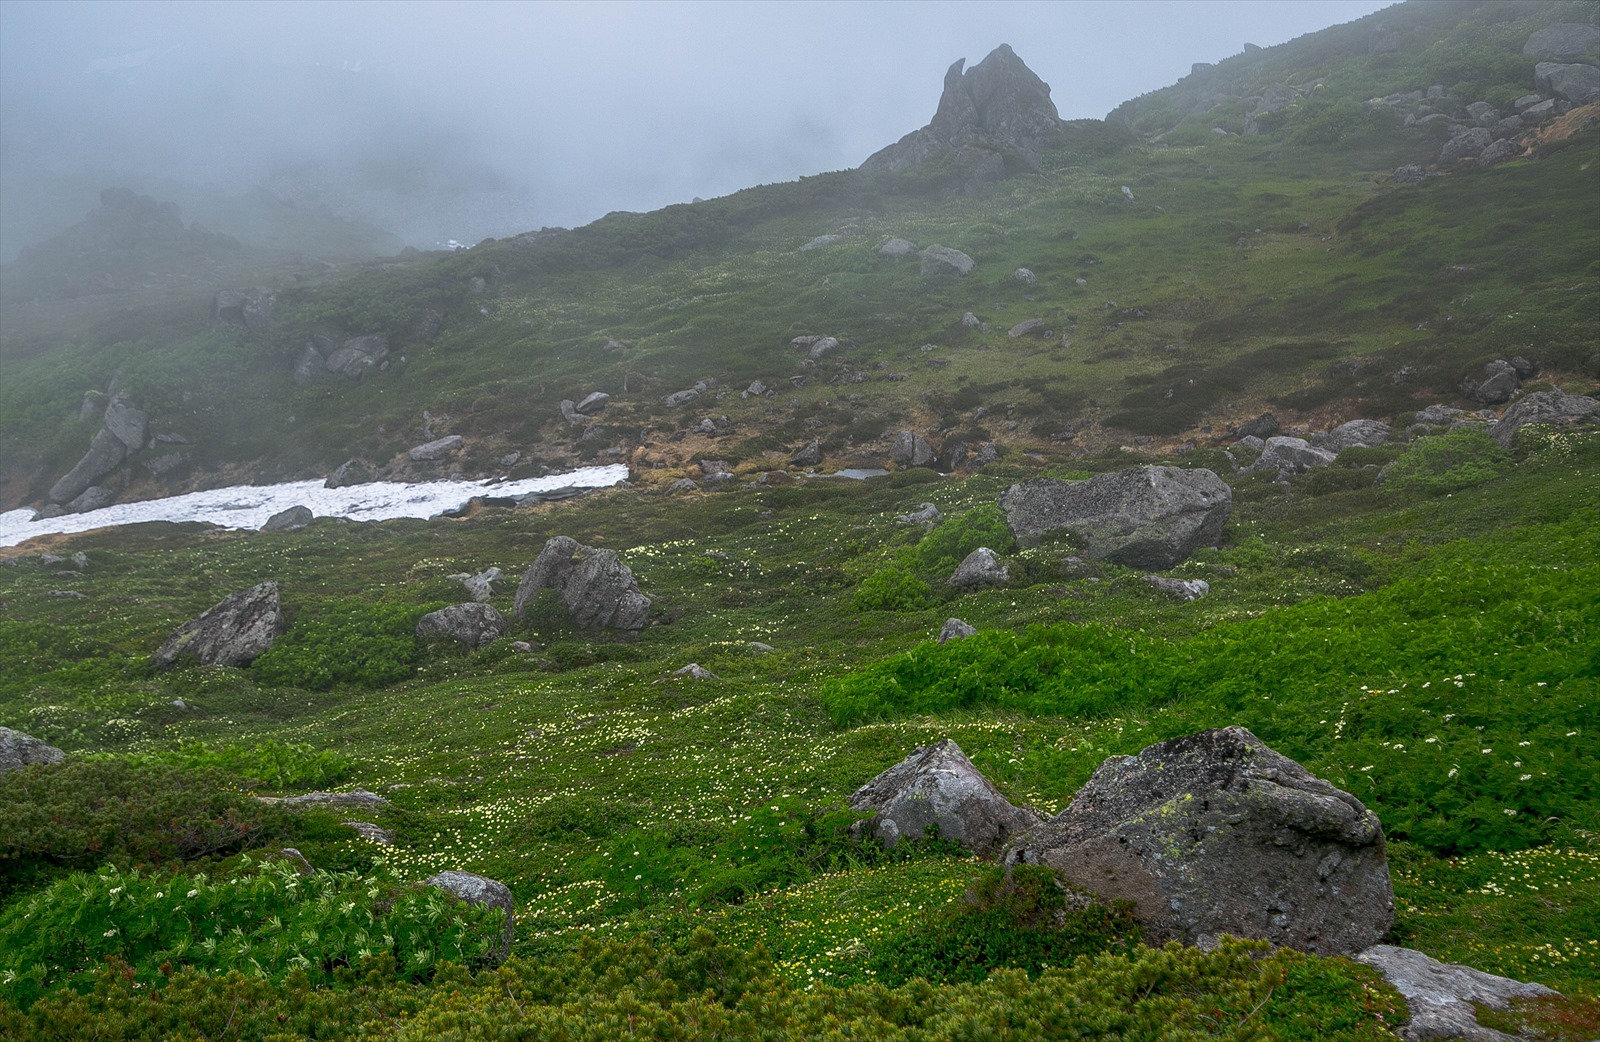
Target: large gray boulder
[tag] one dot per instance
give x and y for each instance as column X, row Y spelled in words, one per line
column 93, row 498
column 596, row 588
column 1466, row 144
column 1355, row 434
column 233, row 633
column 1579, row 84
column 1291, row 456
column 1216, row 833
column 474, row 624
column 24, row 750
column 127, row 421
column 942, row 260
column 982, row 567
column 1563, row 40
column 106, row 453
column 1442, row 997
column 481, row 890
column 992, row 120
column 910, row 450
column 1556, row 408
column 481, row 587
column 288, row 519
column 1499, row 384
column 1145, row 517
column 938, row 786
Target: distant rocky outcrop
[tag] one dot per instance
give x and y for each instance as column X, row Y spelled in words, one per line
column 1217, row 833
column 1145, row 517
column 937, row 786
column 233, row 633
column 24, row 750
column 991, row 122
column 596, row 588
column 474, row 624
column 122, row 431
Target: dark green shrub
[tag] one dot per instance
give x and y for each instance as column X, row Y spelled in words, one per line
column 892, row 589
column 268, row 762
column 346, row 641
column 942, row 549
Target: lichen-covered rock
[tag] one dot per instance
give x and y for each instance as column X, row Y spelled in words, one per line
column 24, row 750
column 1442, row 996
column 982, row 567
column 481, row 890
column 233, row 633
column 474, row 624
column 1146, row 517
column 596, row 588
column 938, row 786
column 1548, row 407
column 1216, row 833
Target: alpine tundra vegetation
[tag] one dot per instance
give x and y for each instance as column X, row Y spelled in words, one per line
column 1194, row 511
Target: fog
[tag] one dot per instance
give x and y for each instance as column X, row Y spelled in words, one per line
column 439, row 121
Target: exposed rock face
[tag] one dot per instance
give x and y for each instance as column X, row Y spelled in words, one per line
column 23, row 750
column 597, row 589
column 127, row 421
column 1579, row 84
column 1551, row 407
column 475, row 625
column 1563, row 40
column 909, row 450
column 481, row 890
column 1146, row 517
column 938, row 785
column 982, row 567
column 955, row 629
column 1441, row 996
column 288, row 520
column 437, row 449
column 106, row 453
column 992, row 119
column 233, row 633
column 1217, row 833
column 942, row 260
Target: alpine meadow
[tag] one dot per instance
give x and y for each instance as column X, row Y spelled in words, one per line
column 1075, row 579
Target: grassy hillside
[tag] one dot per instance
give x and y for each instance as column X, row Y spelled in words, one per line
column 678, row 850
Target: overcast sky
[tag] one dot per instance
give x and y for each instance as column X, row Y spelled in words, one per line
column 469, row 119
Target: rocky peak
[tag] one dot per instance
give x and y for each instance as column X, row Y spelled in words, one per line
column 992, row 117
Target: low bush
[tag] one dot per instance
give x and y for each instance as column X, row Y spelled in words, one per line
column 346, row 641
column 1445, row 463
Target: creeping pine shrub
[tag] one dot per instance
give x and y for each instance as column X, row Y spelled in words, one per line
column 267, row 761
column 348, row 641
column 892, row 589
column 86, row 813
column 1445, row 463
column 948, row 544
column 267, row 923
column 1018, row 919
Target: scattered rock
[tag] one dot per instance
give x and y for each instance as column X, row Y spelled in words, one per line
column 970, row 321
column 296, row 860
column 1024, row 276
column 481, row 890
column 95, row 497
column 67, row 595
column 942, row 260
column 106, row 452
column 821, row 346
column 1216, row 833
column 350, row 472
column 372, row 833
column 437, row 449
column 474, row 624
column 1291, row 456
column 682, row 485
column 1500, row 383
column 1023, row 328
column 909, row 450
column 233, row 633
column 1409, row 173
column 1145, row 517
column 1263, row 426
column 481, row 587
column 684, row 397
column 1442, row 996
column 569, row 412
column 1180, row 589
column 982, row 567
column 1579, row 84
column 597, row 590
column 821, row 241
column 695, row 671
column 810, row 456
column 288, row 520
column 1466, row 144
column 1556, row 408
column 1498, row 152
column 955, row 629
column 1356, row 433
column 24, row 750
column 926, row 514
column 897, row 248
column 593, row 403
column 355, row 356
column 309, row 366
column 355, row 799
column 757, row 389
column 1439, row 415
column 938, row 786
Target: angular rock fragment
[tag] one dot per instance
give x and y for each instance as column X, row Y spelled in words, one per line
column 938, row 786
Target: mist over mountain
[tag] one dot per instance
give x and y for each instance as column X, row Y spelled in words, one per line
column 474, row 120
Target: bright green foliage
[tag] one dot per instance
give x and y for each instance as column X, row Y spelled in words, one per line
column 892, row 589
column 268, row 762
column 345, row 642
column 949, row 543
column 269, row 922
column 1445, row 463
